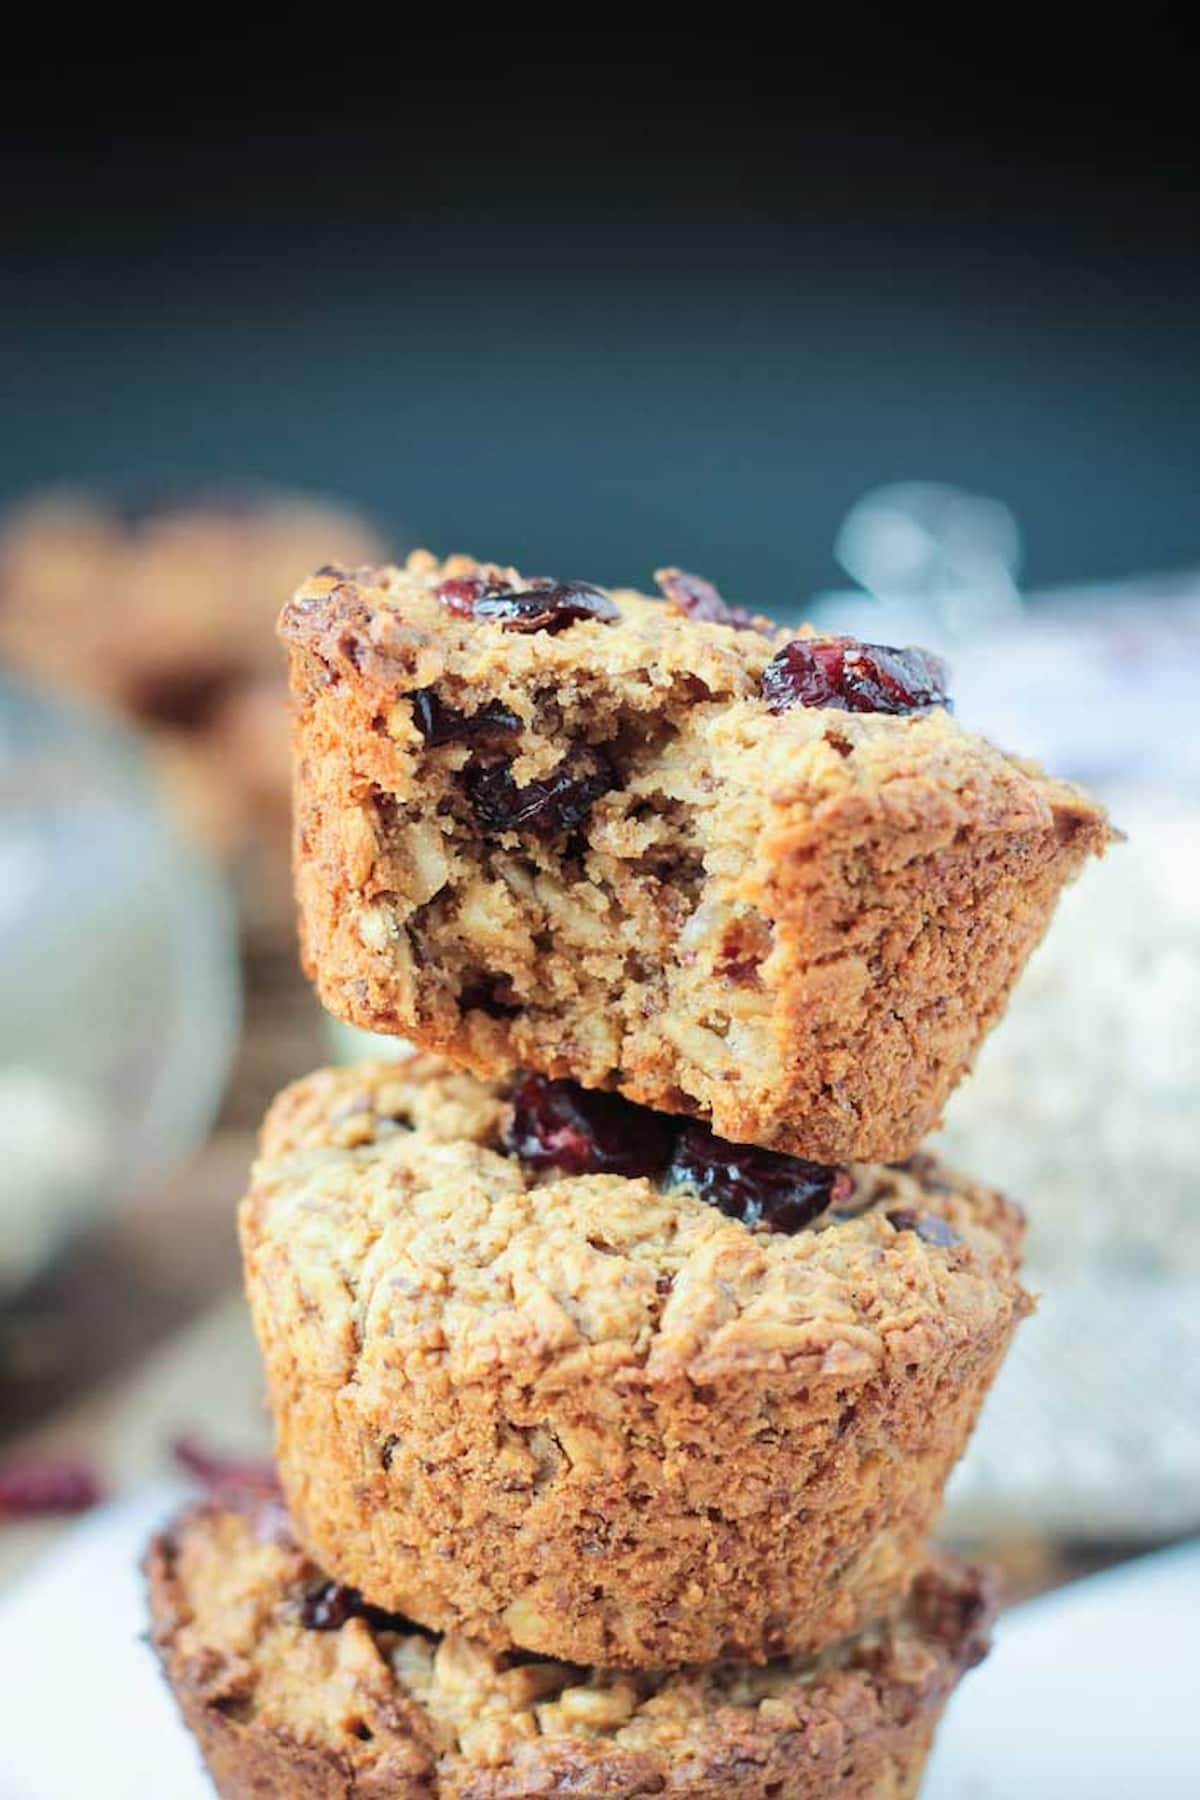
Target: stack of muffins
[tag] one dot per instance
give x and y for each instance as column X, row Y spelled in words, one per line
column 620, row 1342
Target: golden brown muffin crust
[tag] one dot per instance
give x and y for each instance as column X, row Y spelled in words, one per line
column 798, row 925
column 596, row 1419
column 365, row 1710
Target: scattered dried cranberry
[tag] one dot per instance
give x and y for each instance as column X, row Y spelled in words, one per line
column 931, row 1228
column 38, row 1488
column 224, row 1474
column 854, row 677
column 699, row 599
column 559, row 1125
column 558, row 802
column 756, row 1186
column 549, row 608
column 329, row 1606
column 442, row 724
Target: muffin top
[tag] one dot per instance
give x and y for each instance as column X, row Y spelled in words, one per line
column 821, row 717
column 467, row 1223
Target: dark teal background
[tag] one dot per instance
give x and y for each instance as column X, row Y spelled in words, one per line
column 599, row 302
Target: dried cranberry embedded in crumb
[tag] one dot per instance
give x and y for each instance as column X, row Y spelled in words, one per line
column 931, row 1228
column 699, row 599
column 755, row 1186
column 39, row 1487
column 460, row 593
column 549, row 608
column 854, row 677
column 558, row 802
column 442, row 724
column 542, row 605
column 331, row 1605
column 559, row 1125
column 327, row 1607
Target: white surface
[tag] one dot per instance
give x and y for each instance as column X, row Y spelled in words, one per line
column 1092, row 1692
column 87, row 1714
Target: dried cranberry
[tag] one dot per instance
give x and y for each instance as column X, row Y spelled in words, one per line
column 330, row 1605
column 39, row 1487
column 442, row 724
column 327, row 1607
column 931, row 1228
column 541, row 605
column 854, row 677
column 224, row 1474
column 559, row 1125
column 549, row 608
column 699, row 599
column 756, row 1186
column 558, row 802
column 461, row 592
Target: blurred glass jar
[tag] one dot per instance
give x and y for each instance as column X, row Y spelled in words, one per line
column 119, row 971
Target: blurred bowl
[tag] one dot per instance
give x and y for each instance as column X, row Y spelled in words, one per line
column 118, row 964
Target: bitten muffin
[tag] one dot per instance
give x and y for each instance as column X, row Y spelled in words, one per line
column 555, row 1371
column 293, row 1686
column 661, row 847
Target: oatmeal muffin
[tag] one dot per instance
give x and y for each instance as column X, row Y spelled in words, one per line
column 558, row 1372
column 661, row 847
column 294, row 1685
column 167, row 613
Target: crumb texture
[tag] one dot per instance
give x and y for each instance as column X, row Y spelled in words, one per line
column 593, row 1418
column 596, row 851
column 395, row 1714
